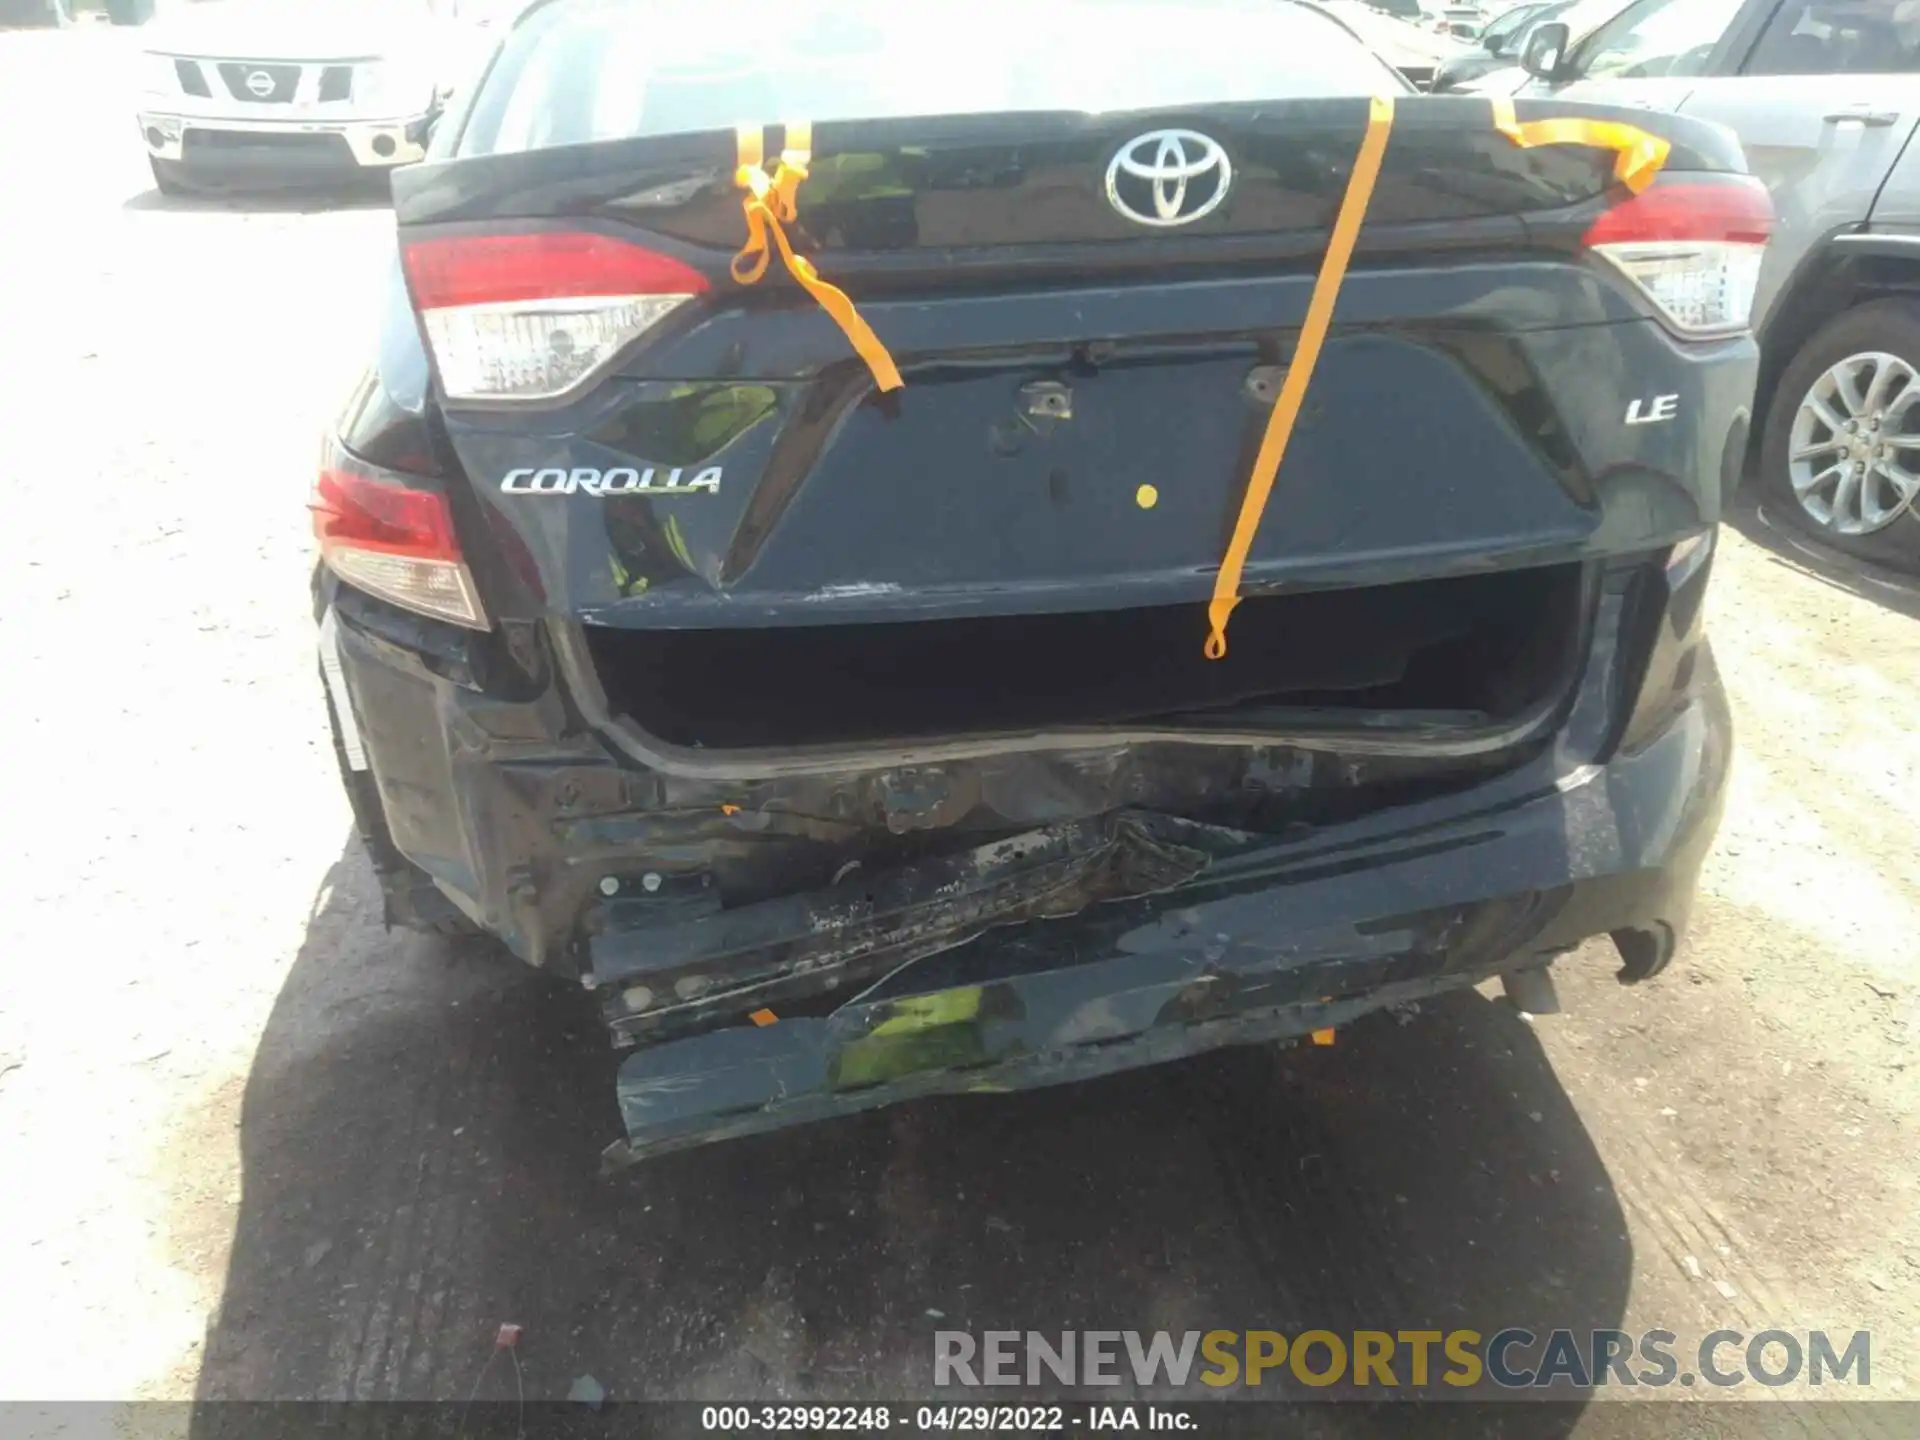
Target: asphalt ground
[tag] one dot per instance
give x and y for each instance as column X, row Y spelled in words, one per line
column 257, row 1147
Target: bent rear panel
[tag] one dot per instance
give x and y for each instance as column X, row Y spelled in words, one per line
column 1035, row 916
column 884, row 712
column 711, row 890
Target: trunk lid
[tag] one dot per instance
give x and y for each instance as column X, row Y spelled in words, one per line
column 1057, row 358
column 1084, row 393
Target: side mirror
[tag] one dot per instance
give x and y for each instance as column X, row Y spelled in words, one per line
column 1546, row 50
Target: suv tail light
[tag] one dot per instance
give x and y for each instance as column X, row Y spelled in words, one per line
column 534, row 316
column 384, row 537
column 1692, row 244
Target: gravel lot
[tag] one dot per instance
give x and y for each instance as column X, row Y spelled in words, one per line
column 255, row 1146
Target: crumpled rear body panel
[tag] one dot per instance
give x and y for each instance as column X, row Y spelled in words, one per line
column 802, row 916
column 803, row 945
column 1269, row 942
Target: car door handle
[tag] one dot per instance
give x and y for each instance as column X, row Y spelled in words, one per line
column 1862, row 115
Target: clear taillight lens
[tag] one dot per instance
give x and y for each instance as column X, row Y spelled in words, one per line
column 1692, row 244
column 381, row 535
column 535, row 350
column 1701, row 288
column 535, row 316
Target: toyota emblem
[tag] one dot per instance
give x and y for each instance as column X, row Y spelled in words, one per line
column 260, row 83
column 1169, row 177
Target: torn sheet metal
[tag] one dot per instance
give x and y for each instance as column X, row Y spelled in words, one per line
column 995, row 1030
column 800, row 945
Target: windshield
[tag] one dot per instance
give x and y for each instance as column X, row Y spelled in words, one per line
column 1583, row 17
column 1504, row 29
column 1657, row 37
column 1515, row 40
column 583, row 70
column 1505, row 24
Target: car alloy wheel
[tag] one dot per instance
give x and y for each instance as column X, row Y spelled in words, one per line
column 1853, row 454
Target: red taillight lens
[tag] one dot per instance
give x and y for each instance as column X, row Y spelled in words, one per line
column 368, row 514
column 384, row 537
column 501, row 269
column 1692, row 244
column 1728, row 207
column 534, row 316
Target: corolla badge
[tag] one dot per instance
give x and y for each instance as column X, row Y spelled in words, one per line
column 1169, row 177
column 611, row 482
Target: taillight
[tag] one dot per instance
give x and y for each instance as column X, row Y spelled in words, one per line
column 384, row 537
column 533, row 316
column 1692, row 244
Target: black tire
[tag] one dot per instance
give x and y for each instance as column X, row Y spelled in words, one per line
column 169, row 177
column 1889, row 326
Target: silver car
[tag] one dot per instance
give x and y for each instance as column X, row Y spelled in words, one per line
column 262, row 91
column 1825, row 97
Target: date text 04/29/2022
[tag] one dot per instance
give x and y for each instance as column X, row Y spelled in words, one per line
column 975, row 1419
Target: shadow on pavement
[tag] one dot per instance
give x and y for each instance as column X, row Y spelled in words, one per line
column 420, row 1138
column 280, row 200
column 1751, row 516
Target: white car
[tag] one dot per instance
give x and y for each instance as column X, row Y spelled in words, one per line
column 263, row 91
column 1413, row 49
column 1463, row 22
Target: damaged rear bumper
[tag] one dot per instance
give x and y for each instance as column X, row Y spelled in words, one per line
column 1261, row 941
column 1019, row 919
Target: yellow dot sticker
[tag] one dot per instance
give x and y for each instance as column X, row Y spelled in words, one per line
column 1146, row 497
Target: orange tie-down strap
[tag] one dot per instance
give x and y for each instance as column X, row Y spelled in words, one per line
column 1306, row 354
column 1639, row 157
column 770, row 202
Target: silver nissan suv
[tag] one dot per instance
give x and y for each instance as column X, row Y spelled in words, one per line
column 253, row 92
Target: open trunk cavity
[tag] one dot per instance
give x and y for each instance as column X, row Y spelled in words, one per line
column 1467, row 650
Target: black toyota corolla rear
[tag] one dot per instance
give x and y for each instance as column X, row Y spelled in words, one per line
column 855, row 740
